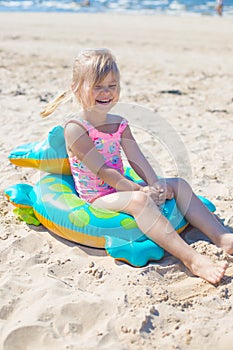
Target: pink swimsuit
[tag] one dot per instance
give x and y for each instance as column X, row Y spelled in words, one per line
column 87, row 184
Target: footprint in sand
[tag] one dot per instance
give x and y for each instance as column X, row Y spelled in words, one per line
column 30, row 243
column 27, row 337
column 33, row 247
column 87, row 319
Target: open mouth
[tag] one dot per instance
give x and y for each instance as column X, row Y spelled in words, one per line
column 104, row 102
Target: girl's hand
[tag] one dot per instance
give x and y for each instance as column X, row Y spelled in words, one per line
column 162, row 191
column 158, row 194
column 150, row 191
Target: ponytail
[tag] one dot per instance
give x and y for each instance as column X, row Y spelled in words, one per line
column 62, row 98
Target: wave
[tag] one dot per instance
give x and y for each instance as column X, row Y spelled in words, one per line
column 129, row 6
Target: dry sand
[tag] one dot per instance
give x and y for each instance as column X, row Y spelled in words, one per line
column 59, row 295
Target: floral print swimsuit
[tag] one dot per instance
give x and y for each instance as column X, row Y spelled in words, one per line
column 87, row 184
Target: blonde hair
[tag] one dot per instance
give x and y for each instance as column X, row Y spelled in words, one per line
column 90, row 67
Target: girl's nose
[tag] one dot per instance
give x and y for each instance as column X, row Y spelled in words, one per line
column 105, row 89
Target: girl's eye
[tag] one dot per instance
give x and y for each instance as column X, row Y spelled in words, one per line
column 99, row 87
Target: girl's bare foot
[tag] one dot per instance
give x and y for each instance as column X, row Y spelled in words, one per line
column 203, row 267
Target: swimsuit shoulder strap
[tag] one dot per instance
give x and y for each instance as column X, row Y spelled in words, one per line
column 123, row 124
column 84, row 123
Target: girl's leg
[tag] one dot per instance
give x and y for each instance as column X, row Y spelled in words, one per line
column 199, row 216
column 152, row 223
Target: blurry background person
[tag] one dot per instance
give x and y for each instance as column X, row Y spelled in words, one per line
column 219, row 7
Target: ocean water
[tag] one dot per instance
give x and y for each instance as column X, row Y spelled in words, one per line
column 200, row 7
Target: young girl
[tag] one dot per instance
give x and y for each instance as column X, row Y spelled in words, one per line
column 94, row 141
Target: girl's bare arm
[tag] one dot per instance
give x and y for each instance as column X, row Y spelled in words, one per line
column 80, row 144
column 143, row 168
column 137, row 159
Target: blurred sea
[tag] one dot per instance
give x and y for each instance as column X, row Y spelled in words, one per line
column 180, row 7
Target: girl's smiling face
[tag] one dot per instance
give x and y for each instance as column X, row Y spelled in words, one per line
column 106, row 93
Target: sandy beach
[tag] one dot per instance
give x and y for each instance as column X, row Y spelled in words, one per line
column 59, row 295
